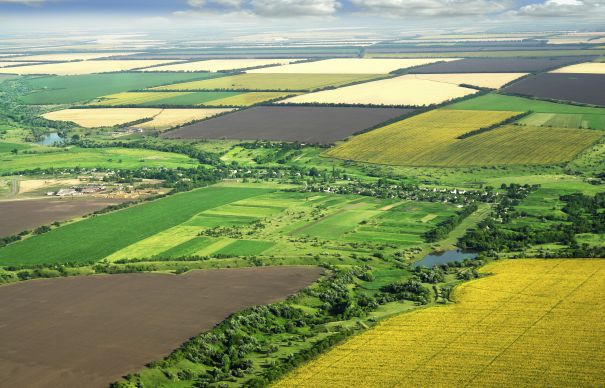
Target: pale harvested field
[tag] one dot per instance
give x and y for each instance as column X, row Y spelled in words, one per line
column 215, row 65
column 349, row 66
column 483, row 80
column 404, row 90
column 169, row 118
column 109, row 117
column 68, row 56
column 83, row 67
column 583, row 68
column 29, row 185
column 528, row 323
column 102, row 117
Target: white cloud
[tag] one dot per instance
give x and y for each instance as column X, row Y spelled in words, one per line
column 563, row 8
column 293, row 8
column 432, row 8
column 266, row 8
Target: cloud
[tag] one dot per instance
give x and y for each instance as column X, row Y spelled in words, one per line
column 562, row 8
column 432, row 8
column 266, row 8
column 293, row 8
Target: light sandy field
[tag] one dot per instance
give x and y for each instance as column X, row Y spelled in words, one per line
column 169, row 118
column 215, row 65
column 91, row 118
column 350, row 66
column 4, row 64
column 68, row 56
column 108, row 117
column 29, row 185
column 483, row 80
column 583, row 68
column 404, row 90
column 84, row 67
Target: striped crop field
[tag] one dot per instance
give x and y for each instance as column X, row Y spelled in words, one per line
column 530, row 323
column 414, row 141
column 432, row 139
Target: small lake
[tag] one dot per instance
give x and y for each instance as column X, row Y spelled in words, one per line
column 438, row 258
column 50, row 139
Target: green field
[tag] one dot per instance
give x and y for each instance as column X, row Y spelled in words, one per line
column 8, row 147
column 494, row 101
column 566, row 120
column 162, row 98
column 95, row 238
column 123, row 158
column 76, row 88
column 300, row 82
column 188, row 98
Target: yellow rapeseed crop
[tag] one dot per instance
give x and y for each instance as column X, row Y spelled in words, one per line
column 533, row 323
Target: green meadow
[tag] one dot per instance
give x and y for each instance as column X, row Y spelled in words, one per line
column 79, row 88
column 123, row 158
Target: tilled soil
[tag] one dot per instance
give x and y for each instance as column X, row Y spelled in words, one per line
column 89, row 331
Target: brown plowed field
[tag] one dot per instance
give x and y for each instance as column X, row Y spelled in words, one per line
column 20, row 215
column 289, row 123
column 496, row 65
column 89, row 331
column 582, row 88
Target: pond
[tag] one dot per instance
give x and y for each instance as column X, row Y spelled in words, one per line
column 437, row 258
column 50, row 139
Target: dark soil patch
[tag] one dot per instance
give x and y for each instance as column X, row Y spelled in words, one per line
column 306, row 124
column 582, row 88
column 21, row 215
column 497, row 65
column 89, row 331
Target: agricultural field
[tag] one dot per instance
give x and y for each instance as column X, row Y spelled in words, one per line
column 66, row 57
column 8, row 64
column 216, row 65
column 93, row 118
column 20, row 215
column 294, row 82
column 45, row 158
column 588, row 53
column 109, row 117
column 482, row 80
column 347, row 66
column 528, row 323
column 496, row 65
column 591, row 117
column 434, row 139
column 399, row 91
column 565, row 120
column 288, row 123
column 83, row 67
column 115, row 314
column 109, row 233
column 227, row 221
column 70, row 89
column 583, row 68
column 211, row 98
column 581, row 88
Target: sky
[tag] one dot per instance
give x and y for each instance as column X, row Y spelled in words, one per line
column 176, row 13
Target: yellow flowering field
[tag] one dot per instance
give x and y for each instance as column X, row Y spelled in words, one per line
column 531, row 323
